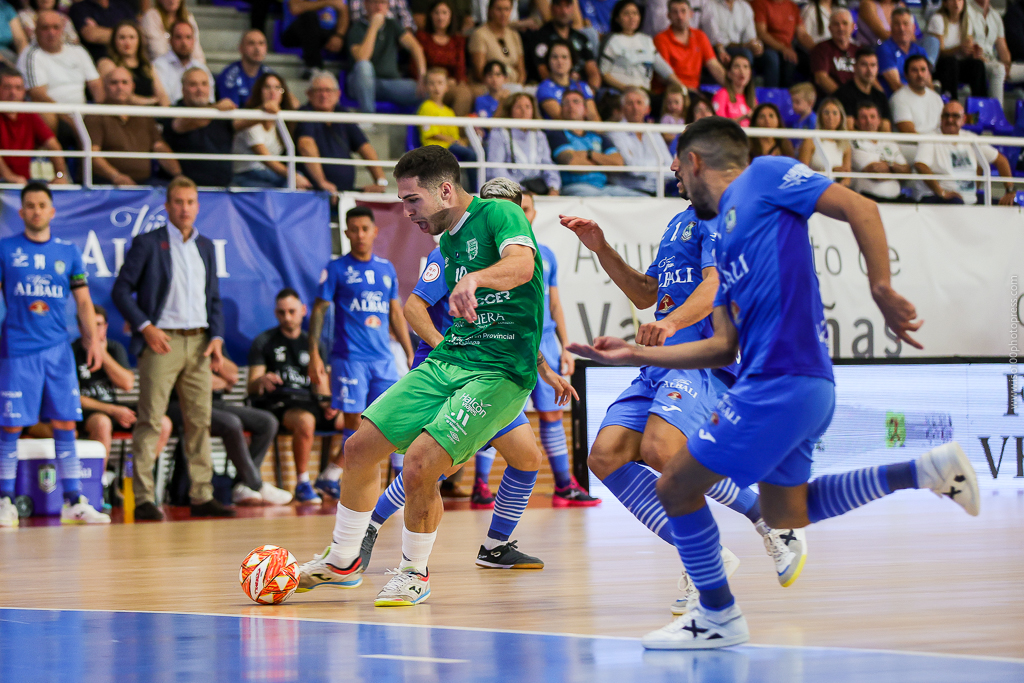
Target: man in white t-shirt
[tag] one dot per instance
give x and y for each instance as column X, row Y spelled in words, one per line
column 916, row 108
column 729, row 25
column 986, row 27
column 57, row 72
column 171, row 66
column 876, row 156
column 958, row 159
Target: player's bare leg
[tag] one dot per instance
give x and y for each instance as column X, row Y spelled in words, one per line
column 302, row 425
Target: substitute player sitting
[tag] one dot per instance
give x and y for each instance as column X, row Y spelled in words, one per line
column 765, row 427
column 473, row 383
column 38, row 272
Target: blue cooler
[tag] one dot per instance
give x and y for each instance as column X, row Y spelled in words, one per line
column 37, row 474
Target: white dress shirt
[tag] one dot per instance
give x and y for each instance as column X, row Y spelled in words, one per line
column 185, row 308
column 169, row 69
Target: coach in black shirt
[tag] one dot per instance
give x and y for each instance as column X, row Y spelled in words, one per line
column 560, row 28
column 864, row 87
column 201, row 136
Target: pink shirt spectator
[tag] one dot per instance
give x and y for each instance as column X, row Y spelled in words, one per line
column 731, row 110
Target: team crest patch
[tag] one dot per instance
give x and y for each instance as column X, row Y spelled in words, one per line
column 734, row 308
column 39, row 307
column 674, row 395
column 666, row 304
column 472, row 248
column 730, row 220
column 60, row 267
column 373, row 322
column 714, row 418
column 47, row 478
column 432, row 272
column 688, row 231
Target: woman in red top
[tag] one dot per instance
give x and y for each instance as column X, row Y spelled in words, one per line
column 445, row 47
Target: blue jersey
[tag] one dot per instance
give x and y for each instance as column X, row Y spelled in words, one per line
column 547, row 257
column 361, row 292
column 433, row 289
column 485, row 106
column 549, row 90
column 37, row 281
column 766, row 269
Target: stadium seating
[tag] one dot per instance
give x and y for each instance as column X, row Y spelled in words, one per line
column 986, row 114
column 781, row 99
column 412, row 138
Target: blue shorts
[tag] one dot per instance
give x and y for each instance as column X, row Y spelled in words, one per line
column 357, row 384
column 765, row 429
column 684, row 399
column 518, row 422
column 40, row 385
column 544, row 394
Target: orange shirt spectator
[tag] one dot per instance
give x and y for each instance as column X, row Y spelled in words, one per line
column 782, row 18
column 686, row 59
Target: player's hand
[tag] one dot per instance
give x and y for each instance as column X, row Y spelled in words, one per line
column 94, row 353
column 215, row 350
column 563, row 390
column 607, row 350
column 462, row 300
column 157, row 339
column 330, row 412
column 567, row 363
column 269, row 382
column 900, row 315
column 588, row 231
column 317, row 371
column 655, row 334
column 124, row 416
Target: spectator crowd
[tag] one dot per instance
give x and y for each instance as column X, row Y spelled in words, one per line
column 871, row 66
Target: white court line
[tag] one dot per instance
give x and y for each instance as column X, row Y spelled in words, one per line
column 476, row 629
column 409, row 658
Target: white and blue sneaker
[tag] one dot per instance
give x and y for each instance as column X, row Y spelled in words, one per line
column 305, row 495
column 701, row 629
column 328, row 488
column 8, row 513
column 80, row 512
column 320, row 572
column 690, row 593
column 405, row 589
column 947, row 471
column 788, row 550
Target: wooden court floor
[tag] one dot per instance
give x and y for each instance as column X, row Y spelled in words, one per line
column 910, row 573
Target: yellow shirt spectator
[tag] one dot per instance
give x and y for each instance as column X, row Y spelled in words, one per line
column 429, row 135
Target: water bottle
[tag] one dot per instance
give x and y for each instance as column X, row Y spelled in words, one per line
column 128, row 489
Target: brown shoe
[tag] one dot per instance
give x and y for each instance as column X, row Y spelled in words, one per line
column 212, row 508
column 148, row 512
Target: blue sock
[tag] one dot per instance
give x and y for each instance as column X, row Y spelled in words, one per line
column 836, row 494
column 69, row 469
column 8, row 463
column 696, row 538
column 483, row 463
column 510, row 502
column 390, row 502
column 397, row 460
column 552, row 438
column 633, row 485
column 743, row 501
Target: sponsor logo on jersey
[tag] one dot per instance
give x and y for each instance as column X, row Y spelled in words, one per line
column 59, row 267
column 10, row 394
column 352, row 276
column 688, row 231
column 432, row 272
column 20, row 259
column 706, row 436
column 474, row 406
column 39, row 307
column 279, row 354
column 669, row 409
column 370, row 302
column 674, row 395
column 303, row 357
column 473, row 248
column 714, row 418
column 679, row 276
column 373, row 322
column 9, row 409
column 666, row 304
column 733, row 272
column 730, row 220
column 796, row 175
column 39, row 285
column 493, row 298
column 734, row 309
column 84, row 372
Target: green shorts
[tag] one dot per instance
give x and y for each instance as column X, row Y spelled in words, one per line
column 461, row 409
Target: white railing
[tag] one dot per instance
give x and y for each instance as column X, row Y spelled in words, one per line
column 290, row 158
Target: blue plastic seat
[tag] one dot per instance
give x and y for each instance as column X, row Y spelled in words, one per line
column 1018, row 198
column 275, row 41
column 710, row 88
column 1018, row 127
column 412, row 138
column 988, row 115
column 781, row 99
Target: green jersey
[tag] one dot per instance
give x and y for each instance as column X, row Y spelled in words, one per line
column 509, row 325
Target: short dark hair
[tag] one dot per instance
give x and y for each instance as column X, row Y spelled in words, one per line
column 864, row 52
column 564, row 43
column 285, row 293
column 915, row 58
column 431, row 165
column 99, row 310
column 616, row 27
column 9, row 72
column 680, row 2
column 359, row 212
column 721, row 142
column 495, row 63
column 35, row 186
column 865, row 104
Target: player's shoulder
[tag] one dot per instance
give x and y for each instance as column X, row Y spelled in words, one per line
column 382, row 262
column 768, row 174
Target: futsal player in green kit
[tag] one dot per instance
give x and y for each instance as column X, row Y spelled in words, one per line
column 471, row 385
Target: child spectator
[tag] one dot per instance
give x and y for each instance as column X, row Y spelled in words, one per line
column 495, row 78
column 449, row 137
column 699, row 108
column 673, row 109
column 736, row 100
column 803, row 96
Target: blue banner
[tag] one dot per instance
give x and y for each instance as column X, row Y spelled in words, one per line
column 264, row 241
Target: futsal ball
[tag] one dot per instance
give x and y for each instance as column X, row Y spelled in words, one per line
column 269, row 575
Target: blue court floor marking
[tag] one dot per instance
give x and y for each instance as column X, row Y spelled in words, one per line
column 87, row 645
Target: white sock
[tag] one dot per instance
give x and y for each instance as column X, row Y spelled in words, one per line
column 332, row 472
column 349, row 529
column 761, row 527
column 303, row 477
column 492, row 543
column 375, row 525
column 415, row 550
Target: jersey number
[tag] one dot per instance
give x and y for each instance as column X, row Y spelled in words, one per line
column 369, row 276
column 460, row 273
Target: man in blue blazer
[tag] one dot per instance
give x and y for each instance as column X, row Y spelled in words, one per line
column 177, row 334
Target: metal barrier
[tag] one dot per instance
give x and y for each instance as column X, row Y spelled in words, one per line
column 469, row 125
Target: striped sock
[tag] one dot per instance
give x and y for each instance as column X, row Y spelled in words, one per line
column 633, row 485
column 743, row 501
column 510, row 502
column 552, row 438
column 69, row 468
column 8, row 463
column 483, row 463
column 390, row 502
column 697, row 540
column 836, row 494
column 397, row 460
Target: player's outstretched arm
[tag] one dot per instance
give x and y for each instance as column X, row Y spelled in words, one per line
column 696, row 307
column 718, row 351
column 641, row 289
column 317, row 371
column 87, row 326
column 563, row 390
column 513, row 269
column 862, row 214
column 418, row 316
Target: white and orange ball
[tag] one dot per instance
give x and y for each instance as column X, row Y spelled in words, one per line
column 269, row 575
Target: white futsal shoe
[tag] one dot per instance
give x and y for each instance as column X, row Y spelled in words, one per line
column 788, row 550
column 947, row 471
column 82, row 513
column 405, row 589
column 701, row 629
column 690, row 593
column 8, row 513
column 320, row 572
column 275, row 496
column 243, row 495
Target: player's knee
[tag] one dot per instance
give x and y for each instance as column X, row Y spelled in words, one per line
column 100, row 427
column 417, row 474
column 603, row 462
column 306, row 424
column 655, row 454
column 677, row 497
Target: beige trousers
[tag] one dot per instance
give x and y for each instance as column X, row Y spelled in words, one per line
column 187, row 369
